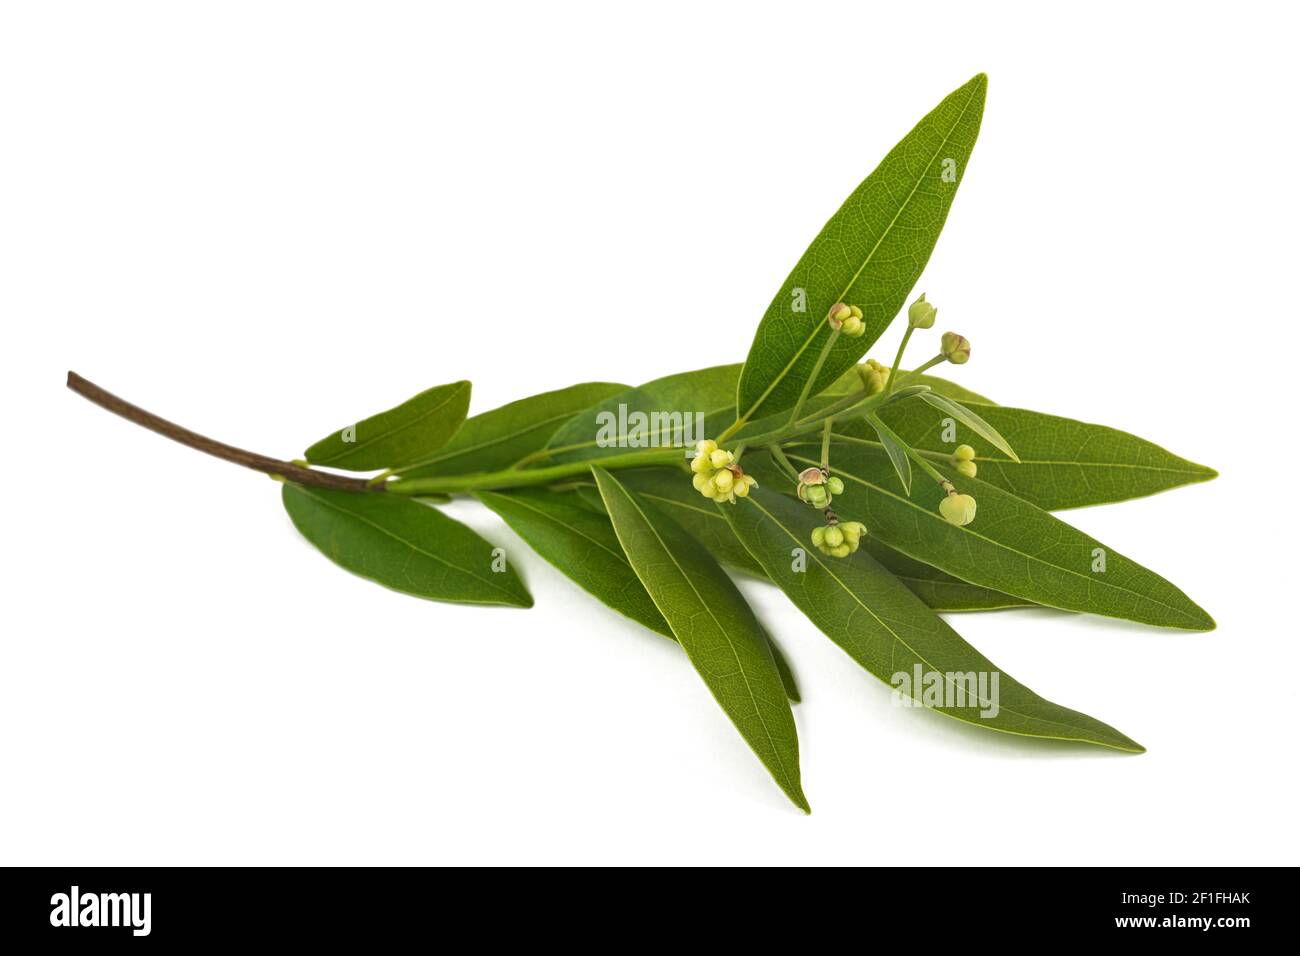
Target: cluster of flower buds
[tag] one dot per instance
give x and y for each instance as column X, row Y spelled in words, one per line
column 874, row 376
column 963, row 460
column 839, row 539
column 954, row 348
column 920, row 314
column 846, row 318
column 956, row 508
column 717, row 476
column 817, row 488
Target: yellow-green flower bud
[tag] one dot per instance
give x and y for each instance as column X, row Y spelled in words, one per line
column 853, row 532
column 720, row 458
column 958, row 509
column 819, row 536
column 834, row 537
column 920, row 314
column 706, row 446
column 963, row 453
column 700, row 464
column 955, row 348
column 838, row 313
column 723, row 479
column 742, row 486
column 817, row 496
column 702, row 484
column 843, row 551
column 834, row 486
column 965, row 468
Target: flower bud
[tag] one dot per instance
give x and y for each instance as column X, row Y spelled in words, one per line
column 958, row 509
column 742, row 486
column 723, row 479
column 835, row 486
column 955, row 348
column 920, row 314
column 965, row 468
column 874, row 376
column 819, row 536
column 834, row 537
column 706, row 446
column 720, row 458
column 963, row 453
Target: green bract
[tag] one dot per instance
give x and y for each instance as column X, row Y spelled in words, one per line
column 873, row 495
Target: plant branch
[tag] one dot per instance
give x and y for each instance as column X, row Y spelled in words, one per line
column 898, row 359
column 271, row 466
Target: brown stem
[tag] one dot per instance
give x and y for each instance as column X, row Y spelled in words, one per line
column 271, row 466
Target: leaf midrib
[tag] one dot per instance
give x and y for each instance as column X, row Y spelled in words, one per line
column 362, row 445
column 449, row 452
column 410, row 544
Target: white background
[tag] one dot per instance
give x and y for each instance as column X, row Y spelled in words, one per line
column 265, row 220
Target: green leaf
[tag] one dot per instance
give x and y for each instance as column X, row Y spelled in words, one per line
column 1011, row 546
column 941, row 386
column 582, row 544
column 504, row 436
column 939, row 591
column 896, row 452
column 714, row 625
column 972, row 421
column 671, row 492
column 869, row 254
column 783, row 668
column 403, row 544
column 889, row 631
column 400, row 436
column 1063, row 463
column 660, row 414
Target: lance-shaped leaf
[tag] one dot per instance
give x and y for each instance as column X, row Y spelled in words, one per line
column 885, row 628
column 941, row 386
column 714, row 625
column 670, row 491
column 676, row 410
column 1011, row 546
column 896, row 451
column 405, row 545
column 1063, row 463
column 503, row 437
column 869, row 254
column 400, row 436
column 972, row 421
column 581, row 543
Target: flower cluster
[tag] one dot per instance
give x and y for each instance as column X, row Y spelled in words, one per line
column 839, row 539
column 817, row 488
column 717, row 476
